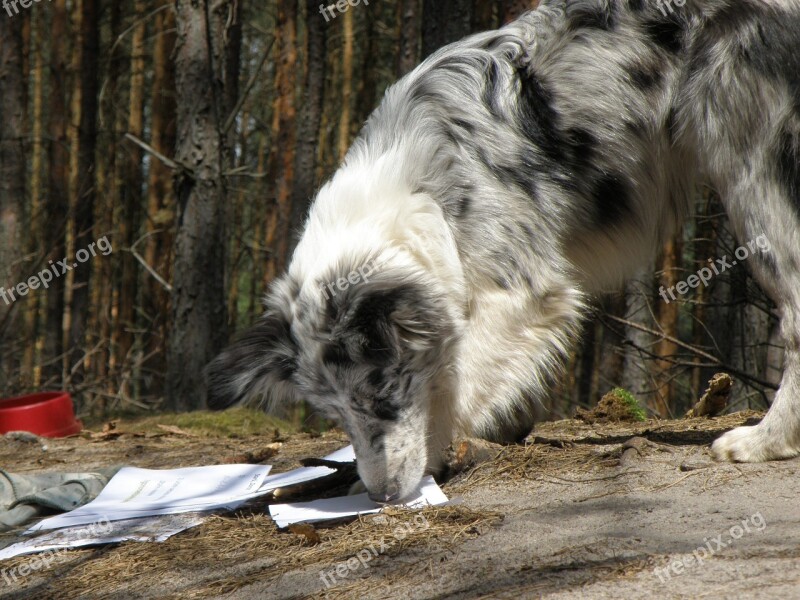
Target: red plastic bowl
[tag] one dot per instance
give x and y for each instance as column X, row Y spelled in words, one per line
column 49, row 414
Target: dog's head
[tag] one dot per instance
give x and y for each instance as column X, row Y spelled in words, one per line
column 363, row 346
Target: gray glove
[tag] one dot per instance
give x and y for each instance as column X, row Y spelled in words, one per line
column 23, row 497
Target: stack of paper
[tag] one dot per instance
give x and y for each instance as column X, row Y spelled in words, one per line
column 273, row 482
column 135, row 492
column 426, row 494
column 132, row 505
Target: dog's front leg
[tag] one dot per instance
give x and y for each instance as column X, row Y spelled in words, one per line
column 514, row 346
column 778, row 434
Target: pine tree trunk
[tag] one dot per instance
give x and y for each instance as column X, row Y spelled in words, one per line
column 347, row 86
column 198, row 300
column 612, row 357
column 513, row 9
column 84, row 180
column 369, row 67
column 13, row 116
column 104, row 290
column 668, row 321
column 258, row 224
column 128, row 208
column 637, row 374
column 160, row 200
column 54, row 227
column 410, row 31
column 483, row 18
column 281, row 161
column 233, row 57
column 305, row 183
column 444, row 23
column 30, row 368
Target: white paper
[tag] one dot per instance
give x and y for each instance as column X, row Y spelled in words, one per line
column 273, row 482
column 135, row 492
column 427, row 493
column 147, row 529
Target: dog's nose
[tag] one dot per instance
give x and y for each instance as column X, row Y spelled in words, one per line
column 390, row 495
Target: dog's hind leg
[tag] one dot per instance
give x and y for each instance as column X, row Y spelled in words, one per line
column 778, row 434
column 740, row 111
column 765, row 211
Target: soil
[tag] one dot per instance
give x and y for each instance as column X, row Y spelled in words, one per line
column 582, row 510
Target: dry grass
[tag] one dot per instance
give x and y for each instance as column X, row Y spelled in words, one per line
column 537, row 462
column 252, row 550
column 227, row 553
column 233, row 423
column 699, row 430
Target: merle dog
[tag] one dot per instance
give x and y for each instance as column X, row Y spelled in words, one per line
column 444, row 270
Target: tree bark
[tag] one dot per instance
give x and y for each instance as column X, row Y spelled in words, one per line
column 84, row 179
column 347, row 86
column 160, row 199
column 483, row 17
column 668, row 313
column 128, row 211
column 104, row 291
column 281, row 170
column 637, row 375
column 513, row 9
column 13, row 102
column 444, row 23
column 305, row 165
column 410, row 28
column 35, row 245
column 198, row 301
column 54, row 229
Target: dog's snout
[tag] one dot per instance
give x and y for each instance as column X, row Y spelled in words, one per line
column 391, row 494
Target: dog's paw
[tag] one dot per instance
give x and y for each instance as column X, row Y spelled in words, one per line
column 750, row 444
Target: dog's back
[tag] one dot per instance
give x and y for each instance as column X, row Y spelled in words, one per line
column 596, row 117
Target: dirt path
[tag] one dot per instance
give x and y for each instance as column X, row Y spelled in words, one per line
column 582, row 513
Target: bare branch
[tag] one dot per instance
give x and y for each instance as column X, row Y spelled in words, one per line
column 713, row 359
column 152, row 271
column 239, row 103
column 148, row 148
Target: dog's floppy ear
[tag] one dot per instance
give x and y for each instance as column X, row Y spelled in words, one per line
column 257, row 365
column 380, row 324
column 367, row 333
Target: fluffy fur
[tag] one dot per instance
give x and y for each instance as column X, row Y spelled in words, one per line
column 499, row 186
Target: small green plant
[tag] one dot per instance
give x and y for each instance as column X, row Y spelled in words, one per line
column 631, row 403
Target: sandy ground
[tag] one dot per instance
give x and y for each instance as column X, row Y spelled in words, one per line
column 582, row 511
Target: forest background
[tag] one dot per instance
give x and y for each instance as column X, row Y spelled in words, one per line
column 191, row 135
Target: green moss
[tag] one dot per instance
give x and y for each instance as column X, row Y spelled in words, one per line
column 631, row 403
column 236, row 422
